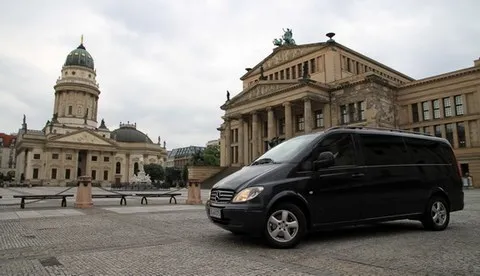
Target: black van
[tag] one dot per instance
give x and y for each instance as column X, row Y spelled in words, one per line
column 338, row 177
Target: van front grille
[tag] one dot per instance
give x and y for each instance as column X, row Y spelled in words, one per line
column 221, row 196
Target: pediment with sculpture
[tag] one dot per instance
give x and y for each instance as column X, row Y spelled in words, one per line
column 284, row 54
column 258, row 91
column 83, row 137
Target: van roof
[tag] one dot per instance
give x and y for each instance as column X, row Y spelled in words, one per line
column 389, row 131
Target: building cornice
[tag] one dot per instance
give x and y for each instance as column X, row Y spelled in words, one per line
column 446, row 76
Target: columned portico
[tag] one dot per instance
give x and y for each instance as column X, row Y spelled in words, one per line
column 307, row 113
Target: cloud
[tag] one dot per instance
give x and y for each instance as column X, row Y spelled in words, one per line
column 166, row 65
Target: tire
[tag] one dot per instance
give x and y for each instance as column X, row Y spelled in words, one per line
column 274, row 231
column 437, row 214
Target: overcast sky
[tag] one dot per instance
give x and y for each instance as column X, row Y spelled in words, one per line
column 166, row 65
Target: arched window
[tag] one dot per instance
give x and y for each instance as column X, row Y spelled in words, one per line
column 118, row 168
column 135, row 168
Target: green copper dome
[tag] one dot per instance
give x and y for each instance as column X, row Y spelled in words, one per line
column 80, row 57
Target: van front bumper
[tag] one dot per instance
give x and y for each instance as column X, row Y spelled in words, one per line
column 238, row 218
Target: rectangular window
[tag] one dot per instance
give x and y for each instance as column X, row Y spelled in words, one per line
column 70, row 110
column 438, row 130
column 300, row 123
column 35, row 173
column 447, row 107
column 417, row 129
column 54, row 174
column 68, row 156
column 276, row 75
column 105, row 175
column 94, row 158
column 436, row 109
column 106, row 159
column 383, row 150
column 54, row 155
column 282, row 75
column 458, row 105
column 265, row 128
column 294, row 73
column 426, row 111
column 287, row 73
column 299, row 70
column 415, row 115
column 312, row 65
column 36, row 156
column 67, row 173
column 94, row 174
column 351, row 112
column 449, row 133
column 462, row 143
column 343, row 114
column 361, row 110
column 319, row 123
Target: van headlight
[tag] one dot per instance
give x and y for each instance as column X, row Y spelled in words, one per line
column 247, row 194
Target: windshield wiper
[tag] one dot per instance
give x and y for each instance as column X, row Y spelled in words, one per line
column 263, row 161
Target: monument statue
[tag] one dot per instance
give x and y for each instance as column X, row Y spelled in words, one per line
column 287, row 38
column 228, row 96
column 164, row 144
column 24, row 119
column 262, row 77
column 158, row 140
column 141, row 177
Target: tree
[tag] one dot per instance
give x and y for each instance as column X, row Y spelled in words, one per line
column 172, row 175
column 211, row 155
column 155, row 171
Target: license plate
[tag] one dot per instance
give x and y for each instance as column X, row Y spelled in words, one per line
column 215, row 212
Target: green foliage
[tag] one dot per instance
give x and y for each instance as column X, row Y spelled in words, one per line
column 210, row 156
column 155, row 171
column 172, row 175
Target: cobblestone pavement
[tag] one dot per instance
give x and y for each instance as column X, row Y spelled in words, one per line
column 184, row 242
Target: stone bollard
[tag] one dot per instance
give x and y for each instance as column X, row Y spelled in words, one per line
column 83, row 198
column 194, row 192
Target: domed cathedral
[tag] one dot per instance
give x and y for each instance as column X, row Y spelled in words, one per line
column 73, row 143
column 303, row 88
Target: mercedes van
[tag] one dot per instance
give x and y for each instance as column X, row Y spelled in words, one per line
column 338, row 177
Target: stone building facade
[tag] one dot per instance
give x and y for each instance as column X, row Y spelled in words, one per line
column 300, row 89
column 73, row 143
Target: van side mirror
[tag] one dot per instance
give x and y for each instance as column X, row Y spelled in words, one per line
column 325, row 159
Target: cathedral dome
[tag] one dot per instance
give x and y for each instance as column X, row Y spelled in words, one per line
column 128, row 133
column 80, row 57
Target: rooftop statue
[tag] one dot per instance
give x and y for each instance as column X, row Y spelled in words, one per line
column 287, row 38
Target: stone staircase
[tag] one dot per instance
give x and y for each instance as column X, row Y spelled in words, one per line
column 209, row 182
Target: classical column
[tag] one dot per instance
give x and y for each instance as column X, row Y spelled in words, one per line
column 254, row 135
column 245, row 143
column 307, row 114
column 240, row 141
column 288, row 120
column 270, row 123
column 327, row 118
column 228, row 141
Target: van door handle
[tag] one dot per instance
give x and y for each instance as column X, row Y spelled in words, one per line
column 356, row 175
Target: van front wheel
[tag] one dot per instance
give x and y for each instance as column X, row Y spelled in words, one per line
column 437, row 214
column 285, row 226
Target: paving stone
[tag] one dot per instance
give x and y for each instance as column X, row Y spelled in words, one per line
column 167, row 240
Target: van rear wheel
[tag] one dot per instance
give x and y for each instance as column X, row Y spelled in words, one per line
column 285, row 226
column 437, row 214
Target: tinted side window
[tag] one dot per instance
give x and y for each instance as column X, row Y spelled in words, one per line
column 342, row 146
column 383, row 149
column 423, row 151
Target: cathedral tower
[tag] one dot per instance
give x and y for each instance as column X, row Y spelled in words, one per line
column 76, row 91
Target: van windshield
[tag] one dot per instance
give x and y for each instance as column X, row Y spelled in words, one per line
column 286, row 151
